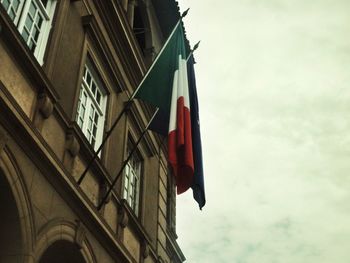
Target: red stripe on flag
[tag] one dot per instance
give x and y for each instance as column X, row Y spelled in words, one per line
column 180, row 148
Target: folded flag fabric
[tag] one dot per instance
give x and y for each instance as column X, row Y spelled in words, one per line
column 198, row 182
column 161, row 122
column 166, row 86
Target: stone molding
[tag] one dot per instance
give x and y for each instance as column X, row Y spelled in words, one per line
column 61, row 229
column 3, row 138
column 80, row 234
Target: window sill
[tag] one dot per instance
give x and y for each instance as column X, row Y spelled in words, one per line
column 24, row 57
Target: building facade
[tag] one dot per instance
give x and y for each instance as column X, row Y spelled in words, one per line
column 67, row 69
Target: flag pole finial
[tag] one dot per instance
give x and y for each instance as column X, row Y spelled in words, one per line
column 192, row 50
column 184, row 13
column 196, row 46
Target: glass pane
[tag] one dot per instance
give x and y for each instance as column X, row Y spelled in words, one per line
column 15, row 5
column 35, row 33
column 29, row 22
column 12, row 14
column 32, row 45
column 90, row 125
column 6, row 4
column 88, row 78
column 96, row 118
column 98, row 97
column 32, row 9
column 25, row 34
column 92, row 111
column 93, row 87
column 126, row 181
column 39, row 21
column 94, row 130
column 84, row 98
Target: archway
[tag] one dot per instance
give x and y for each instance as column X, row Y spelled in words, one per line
column 11, row 240
column 62, row 251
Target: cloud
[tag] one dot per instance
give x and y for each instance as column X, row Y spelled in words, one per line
column 274, row 87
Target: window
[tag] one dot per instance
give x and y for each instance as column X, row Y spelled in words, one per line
column 33, row 19
column 131, row 180
column 139, row 28
column 91, row 106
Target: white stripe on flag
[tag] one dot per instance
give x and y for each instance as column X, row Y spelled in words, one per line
column 180, row 89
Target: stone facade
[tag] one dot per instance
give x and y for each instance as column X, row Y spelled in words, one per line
column 46, row 215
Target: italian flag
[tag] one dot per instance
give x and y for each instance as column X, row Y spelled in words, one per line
column 166, row 87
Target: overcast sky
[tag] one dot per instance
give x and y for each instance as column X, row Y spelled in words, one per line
column 273, row 78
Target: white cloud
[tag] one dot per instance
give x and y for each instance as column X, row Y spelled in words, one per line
column 274, row 86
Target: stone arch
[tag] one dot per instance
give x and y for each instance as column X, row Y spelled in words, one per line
column 62, row 251
column 17, row 225
column 68, row 237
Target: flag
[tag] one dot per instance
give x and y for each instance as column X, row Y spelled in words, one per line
column 198, row 182
column 160, row 125
column 166, row 86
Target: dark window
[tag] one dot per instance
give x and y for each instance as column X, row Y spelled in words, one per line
column 139, row 28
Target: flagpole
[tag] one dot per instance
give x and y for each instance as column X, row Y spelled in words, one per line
column 103, row 200
column 128, row 103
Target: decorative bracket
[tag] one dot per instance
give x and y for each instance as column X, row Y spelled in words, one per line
column 123, row 216
column 72, row 144
column 145, row 249
column 45, row 105
column 104, row 190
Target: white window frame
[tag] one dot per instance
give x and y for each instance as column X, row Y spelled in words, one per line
column 132, row 179
column 46, row 13
column 91, row 103
column 18, row 11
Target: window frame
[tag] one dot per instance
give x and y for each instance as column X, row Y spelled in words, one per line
column 136, row 205
column 21, row 15
column 91, row 102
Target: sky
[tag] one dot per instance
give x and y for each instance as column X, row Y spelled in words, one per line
column 274, row 95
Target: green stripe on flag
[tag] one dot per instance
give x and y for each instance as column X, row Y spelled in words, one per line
column 156, row 87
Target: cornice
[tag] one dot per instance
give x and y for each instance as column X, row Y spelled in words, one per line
column 174, row 249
